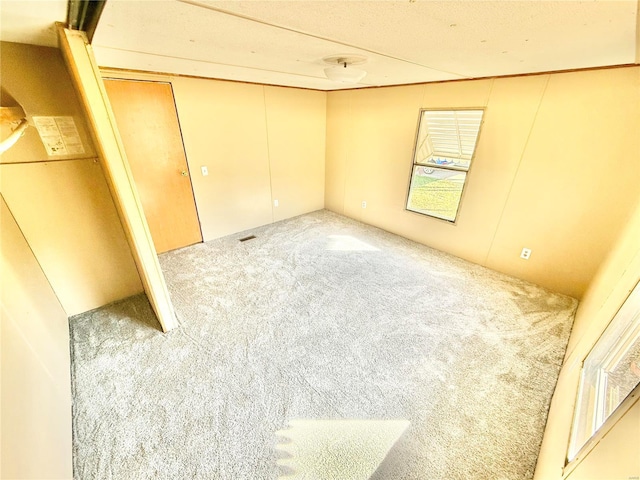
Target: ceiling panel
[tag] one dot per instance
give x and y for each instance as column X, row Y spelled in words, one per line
column 31, row 21
column 469, row 38
column 284, row 42
column 200, row 41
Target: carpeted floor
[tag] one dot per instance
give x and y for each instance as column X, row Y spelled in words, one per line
column 321, row 349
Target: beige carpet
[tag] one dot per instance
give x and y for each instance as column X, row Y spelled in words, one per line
column 321, row 349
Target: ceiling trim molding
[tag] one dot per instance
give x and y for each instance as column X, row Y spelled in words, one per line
column 514, row 75
column 132, row 73
column 207, row 62
column 147, row 75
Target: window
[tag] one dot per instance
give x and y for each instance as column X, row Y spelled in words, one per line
column 445, row 145
column 610, row 373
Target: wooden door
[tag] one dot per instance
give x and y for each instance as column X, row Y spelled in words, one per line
column 148, row 123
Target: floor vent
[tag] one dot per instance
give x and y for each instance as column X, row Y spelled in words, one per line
column 250, row 237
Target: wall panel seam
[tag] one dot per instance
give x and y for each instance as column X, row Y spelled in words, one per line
column 517, row 171
column 347, row 149
column 266, row 128
column 32, row 349
column 32, row 252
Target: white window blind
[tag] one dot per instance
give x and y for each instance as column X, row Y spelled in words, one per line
column 448, row 133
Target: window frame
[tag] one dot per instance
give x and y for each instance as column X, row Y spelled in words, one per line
column 628, row 309
column 467, row 171
column 609, row 423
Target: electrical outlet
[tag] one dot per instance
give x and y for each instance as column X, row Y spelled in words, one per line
column 364, row 204
column 526, row 253
column 204, row 170
column 276, row 203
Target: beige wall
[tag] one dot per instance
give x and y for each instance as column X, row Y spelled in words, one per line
column 296, row 122
column 554, row 169
column 62, row 204
column 66, row 213
column 223, row 128
column 259, row 144
column 616, row 278
column 35, row 439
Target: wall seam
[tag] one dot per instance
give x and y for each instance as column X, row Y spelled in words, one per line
column 638, row 33
column 517, row 171
column 346, row 153
column 486, row 102
column 266, row 128
column 424, row 94
column 32, row 349
column 15, row 220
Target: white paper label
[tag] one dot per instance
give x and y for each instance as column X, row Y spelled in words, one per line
column 59, row 135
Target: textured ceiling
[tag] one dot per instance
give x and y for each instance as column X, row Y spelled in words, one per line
column 31, row 21
column 284, row 42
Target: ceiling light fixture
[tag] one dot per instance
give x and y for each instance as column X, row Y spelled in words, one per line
column 341, row 69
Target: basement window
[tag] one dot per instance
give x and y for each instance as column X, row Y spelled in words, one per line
column 444, row 149
column 610, row 373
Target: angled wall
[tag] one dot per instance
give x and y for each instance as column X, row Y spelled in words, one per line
column 35, row 383
column 62, row 203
